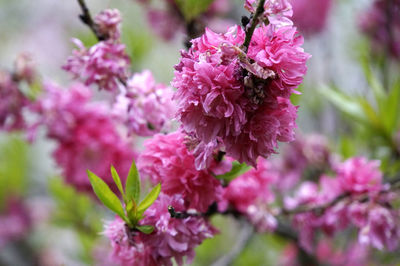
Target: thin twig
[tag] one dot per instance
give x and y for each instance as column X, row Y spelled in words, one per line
column 86, row 18
column 245, row 235
column 252, row 25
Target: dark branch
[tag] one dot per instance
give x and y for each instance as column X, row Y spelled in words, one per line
column 86, row 18
column 251, row 26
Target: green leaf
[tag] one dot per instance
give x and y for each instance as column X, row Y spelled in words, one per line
column 147, row 229
column 391, row 110
column 193, row 8
column 346, row 104
column 117, row 181
column 149, row 199
column 132, row 186
column 106, row 196
column 237, row 170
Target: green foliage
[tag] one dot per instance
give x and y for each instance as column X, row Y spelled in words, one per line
column 13, row 167
column 78, row 211
column 193, row 8
column 138, row 42
column 134, row 209
column 236, row 170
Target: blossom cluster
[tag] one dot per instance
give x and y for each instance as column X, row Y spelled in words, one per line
column 146, row 107
column 85, row 134
column 105, row 63
column 236, row 101
column 172, row 238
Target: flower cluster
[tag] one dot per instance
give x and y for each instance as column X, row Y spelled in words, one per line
column 75, row 125
column 251, row 193
column 240, row 101
column 166, row 160
column 146, row 107
column 172, row 238
column 103, row 64
column 381, row 23
column 365, row 206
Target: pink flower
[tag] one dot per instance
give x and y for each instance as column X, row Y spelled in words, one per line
column 166, row 159
column 246, row 114
column 12, row 104
column 310, row 22
column 173, row 237
column 381, row 229
column 108, row 22
column 128, row 248
column 85, row 134
column 145, row 107
column 278, row 12
column 15, row 221
column 104, row 64
column 358, row 175
column 381, row 24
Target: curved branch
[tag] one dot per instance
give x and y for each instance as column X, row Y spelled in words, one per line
column 251, row 26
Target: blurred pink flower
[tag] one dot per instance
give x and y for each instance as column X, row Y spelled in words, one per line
column 381, row 23
column 358, row 175
column 85, row 134
column 103, row 64
column 166, row 160
column 278, row 12
column 146, row 107
column 310, row 22
column 108, row 23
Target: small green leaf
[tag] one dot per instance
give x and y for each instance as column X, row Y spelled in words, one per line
column 237, row 170
column 147, row 229
column 132, row 186
column 117, row 181
column 149, row 199
column 105, row 195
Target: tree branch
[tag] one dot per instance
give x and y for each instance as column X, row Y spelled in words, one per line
column 86, row 18
column 251, row 26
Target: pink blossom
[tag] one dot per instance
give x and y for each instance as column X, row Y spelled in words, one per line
column 380, row 228
column 358, row 175
column 250, row 194
column 108, row 22
column 381, row 23
column 127, row 247
column 104, row 64
column 15, row 221
column 166, row 159
column 246, row 114
column 12, row 104
column 173, row 237
column 74, row 124
column 310, row 22
column 278, row 12
column 146, row 107
column 353, row 255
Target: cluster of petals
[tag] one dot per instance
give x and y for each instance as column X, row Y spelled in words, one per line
column 103, row 64
column 172, row 238
column 246, row 114
column 166, row 160
column 381, row 23
column 311, row 22
column 146, row 107
column 278, row 12
column 107, row 23
column 358, row 175
column 251, row 195
column 74, row 124
column 12, row 103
